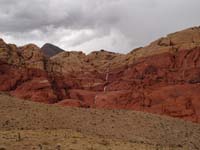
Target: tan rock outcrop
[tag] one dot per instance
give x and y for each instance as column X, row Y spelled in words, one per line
column 183, row 40
column 32, row 56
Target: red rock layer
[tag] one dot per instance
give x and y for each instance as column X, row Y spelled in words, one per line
column 166, row 83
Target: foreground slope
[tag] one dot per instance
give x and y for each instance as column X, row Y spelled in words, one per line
column 66, row 139
column 23, row 123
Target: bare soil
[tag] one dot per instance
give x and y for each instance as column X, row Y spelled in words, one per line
column 27, row 125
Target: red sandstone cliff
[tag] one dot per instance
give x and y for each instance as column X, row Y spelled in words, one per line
column 161, row 78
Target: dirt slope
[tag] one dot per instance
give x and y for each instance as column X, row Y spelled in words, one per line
column 67, row 139
column 114, row 126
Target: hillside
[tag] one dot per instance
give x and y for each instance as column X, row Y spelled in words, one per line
column 26, row 125
column 161, row 78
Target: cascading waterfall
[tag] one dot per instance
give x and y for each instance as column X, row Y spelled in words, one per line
column 105, row 87
column 107, row 77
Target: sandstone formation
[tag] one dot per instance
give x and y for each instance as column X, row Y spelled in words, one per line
column 183, row 40
column 161, row 78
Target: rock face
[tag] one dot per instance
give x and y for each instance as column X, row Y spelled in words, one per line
column 32, row 56
column 50, row 50
column 29, row 56
column 182, row 40
column 161, row 78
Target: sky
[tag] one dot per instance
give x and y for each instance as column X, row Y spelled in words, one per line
column 88, row 25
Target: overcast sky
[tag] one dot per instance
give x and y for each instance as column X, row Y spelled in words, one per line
column 87, row 25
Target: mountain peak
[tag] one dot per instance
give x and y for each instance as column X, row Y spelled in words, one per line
column 50, row 50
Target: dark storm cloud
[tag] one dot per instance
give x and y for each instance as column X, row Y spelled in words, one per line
column 117, row 25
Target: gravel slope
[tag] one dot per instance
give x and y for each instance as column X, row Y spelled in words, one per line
column 120, row 125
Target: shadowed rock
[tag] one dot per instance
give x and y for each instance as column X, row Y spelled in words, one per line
column 50, row 50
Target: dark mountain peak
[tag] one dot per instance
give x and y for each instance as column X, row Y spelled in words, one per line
column 51, row 50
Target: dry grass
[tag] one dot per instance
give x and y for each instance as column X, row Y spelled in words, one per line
column 28, row 125
column 67, row 140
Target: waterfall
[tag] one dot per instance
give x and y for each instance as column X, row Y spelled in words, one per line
column 104, row 89
column 107, row 74
column 95, row 98
column 107, row 77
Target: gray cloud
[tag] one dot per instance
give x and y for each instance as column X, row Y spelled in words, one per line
column 116, row 25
